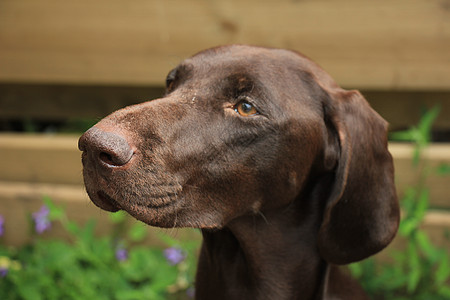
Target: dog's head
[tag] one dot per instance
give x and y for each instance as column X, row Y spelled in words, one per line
column 243, row 130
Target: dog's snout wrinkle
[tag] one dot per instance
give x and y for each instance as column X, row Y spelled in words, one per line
column 108, row 148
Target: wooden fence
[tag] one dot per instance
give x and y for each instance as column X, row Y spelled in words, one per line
column 385, row 44
column 80, row 58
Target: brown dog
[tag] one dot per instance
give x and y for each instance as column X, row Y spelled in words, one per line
column 286, row 173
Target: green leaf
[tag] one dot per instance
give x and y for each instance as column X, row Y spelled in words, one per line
column 407, row 226
column 405, row 135
column 56, row 213
column 133, row 295
column 417, row 153
column 443, row 169
column 422, row 204
column 408, row 200
column 394, row 282
column 426, row 246
column 443, row 270
column 414, row 267
column 426, row 122
column 356, row 269
column 444, row 291
column 87, row 268
column 420, row 135
column 72, row 227
column 118, row 217
column 86, row 234
column 30, row 292
column 168, row 240
column 447, row 234
column 138, row 232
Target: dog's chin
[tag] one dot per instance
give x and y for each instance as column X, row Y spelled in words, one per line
column 103, row 201
column 170, row 214
column 152, row 214
column 175, row 217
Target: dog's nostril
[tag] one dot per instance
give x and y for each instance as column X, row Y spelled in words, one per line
column 105, row 157
column 118, row 158
column 108, row 148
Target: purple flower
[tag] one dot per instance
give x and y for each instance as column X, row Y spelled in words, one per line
column 41, row 221
column 3, row 271
column 190, row 292
column 2, row 222
column 174, row 255
column 121, row 254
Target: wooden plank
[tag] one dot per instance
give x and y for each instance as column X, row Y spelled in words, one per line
column 56, row 159
column 59, row 102
column 407, row 175
column 40, row 158
column 364, row 44
column 436, row 225
column 18, row 200
column 402, row 109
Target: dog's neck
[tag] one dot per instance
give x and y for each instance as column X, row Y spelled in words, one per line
column 270, row 256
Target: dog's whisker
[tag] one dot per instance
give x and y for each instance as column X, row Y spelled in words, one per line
column 263, row 217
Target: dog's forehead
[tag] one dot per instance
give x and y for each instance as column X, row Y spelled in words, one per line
column 262, row 63
column 245, row 59
column 281, row 79
column 227, row 67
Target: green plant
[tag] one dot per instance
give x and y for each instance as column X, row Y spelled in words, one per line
column 116, row 266
column 422, row 269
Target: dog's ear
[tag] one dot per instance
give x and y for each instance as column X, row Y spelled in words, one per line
column 361, row 215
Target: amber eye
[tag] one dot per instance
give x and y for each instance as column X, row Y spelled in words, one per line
column 245, row 109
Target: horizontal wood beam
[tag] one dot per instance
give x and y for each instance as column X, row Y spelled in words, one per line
column 57, row 160
column 19, row 199
column 40, row 159
column 382, row 44
column 62, row 101
column 59, row 102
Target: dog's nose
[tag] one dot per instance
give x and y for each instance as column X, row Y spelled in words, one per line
column 107, row 148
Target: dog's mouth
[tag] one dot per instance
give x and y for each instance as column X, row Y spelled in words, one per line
column 106, row 202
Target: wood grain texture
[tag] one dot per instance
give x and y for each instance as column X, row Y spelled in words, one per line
column 384, row 44
column 34, row 166
column 52, row 159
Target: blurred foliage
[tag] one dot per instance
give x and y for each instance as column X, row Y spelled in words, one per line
column 77, row 125
column 421, row 270
column 90, row 267
column 420, row 135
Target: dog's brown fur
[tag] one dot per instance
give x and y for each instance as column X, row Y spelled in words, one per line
column 282, row 196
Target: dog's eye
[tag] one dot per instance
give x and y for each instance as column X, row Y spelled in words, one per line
column 170, row 79
column 245, row 109
column 169, row 84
